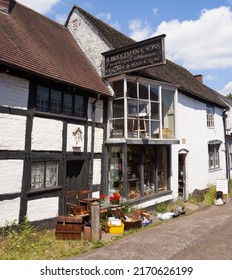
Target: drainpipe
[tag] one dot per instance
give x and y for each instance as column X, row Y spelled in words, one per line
column 224, row 117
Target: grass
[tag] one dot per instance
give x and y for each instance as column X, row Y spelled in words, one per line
column 26, row 242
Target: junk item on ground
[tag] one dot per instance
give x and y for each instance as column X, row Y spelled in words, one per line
column 219, row 199
column 169, row 215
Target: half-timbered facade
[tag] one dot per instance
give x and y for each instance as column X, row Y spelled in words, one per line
column 52, row 116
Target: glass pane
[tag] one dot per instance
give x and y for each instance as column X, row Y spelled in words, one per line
column 132, row 125
column 67, row 109
column 51, row 174
column 154, row 111
column 42, row 99
column 149, row 170
column 79, row 106
column 131, row 90
column 154, row 93
column 115, row 169
column 118, row 108
column 168, row 114
column 155, row 131
column 117, row 130
column 118, row 88
column 162, row 168
column 143, row 91
column 133, row 171
column 56, row 101
column 37, row 175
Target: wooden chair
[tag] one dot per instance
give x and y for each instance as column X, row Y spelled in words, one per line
column 85, row 199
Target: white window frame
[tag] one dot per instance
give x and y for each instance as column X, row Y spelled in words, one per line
column 210, row 116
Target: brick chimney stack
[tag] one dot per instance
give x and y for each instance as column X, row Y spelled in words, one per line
column 5, row 6
column 199, row 78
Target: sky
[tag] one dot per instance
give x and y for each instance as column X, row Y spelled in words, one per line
column 198, row 33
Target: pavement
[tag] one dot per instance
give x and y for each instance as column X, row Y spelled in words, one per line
column 201, row 233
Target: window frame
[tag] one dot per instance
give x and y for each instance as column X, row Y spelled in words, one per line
column 45, row 166
column 45, row 104
column 210, row 111
column 214, row 156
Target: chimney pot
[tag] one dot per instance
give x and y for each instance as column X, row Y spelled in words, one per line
column 199, row 77
column 5, row 6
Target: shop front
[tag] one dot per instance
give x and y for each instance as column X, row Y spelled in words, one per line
column 141, row 131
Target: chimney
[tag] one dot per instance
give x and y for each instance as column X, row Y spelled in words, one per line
column 199, row 78
column 5, row 6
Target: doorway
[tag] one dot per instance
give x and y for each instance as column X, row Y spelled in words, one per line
column 76, row 175
column 182, row 184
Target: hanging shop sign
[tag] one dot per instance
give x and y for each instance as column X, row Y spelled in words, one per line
column 134, row 57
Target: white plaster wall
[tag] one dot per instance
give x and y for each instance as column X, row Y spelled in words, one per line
column 47, row 134
column 41, row 209
column 9, row 211
column 91, row 44
column 71, row 144
column 98, row 140
column 194, row 136
column 11, row 174
column 89, row 139
column 12, row 130
column 13, row 91
column 98, row 114
column 96, row 171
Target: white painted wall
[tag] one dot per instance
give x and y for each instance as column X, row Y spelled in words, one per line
column 11, row 174
column 9, row 211
column 98, row 140
column 13, row 130
column 194, row 136
column 91, row 44
column 13, row 91
column 74, row 144
column 98, row 113
column 41, row 209
column 47, row 134
column 97, row 171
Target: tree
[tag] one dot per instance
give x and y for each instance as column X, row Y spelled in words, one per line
column 229, row 96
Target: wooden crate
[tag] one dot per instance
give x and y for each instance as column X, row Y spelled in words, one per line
column 131, row 224
column 69, row 228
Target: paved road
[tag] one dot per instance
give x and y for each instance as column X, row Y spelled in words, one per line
column 205, row 234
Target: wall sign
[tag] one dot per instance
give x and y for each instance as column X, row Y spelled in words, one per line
column 133, row 57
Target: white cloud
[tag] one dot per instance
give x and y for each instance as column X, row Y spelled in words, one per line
column 155, row 12
column 210, row 77
column 104, row 16
column 41, row 6
column 204, row 43
column 227, row 89
column 61, row 18
column 139, row 29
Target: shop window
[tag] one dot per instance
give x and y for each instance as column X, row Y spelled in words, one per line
column 44, row 175
column 115, row 169
column 146, row 170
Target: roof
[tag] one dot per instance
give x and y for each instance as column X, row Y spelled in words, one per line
column 169, row 72
column 36, row 44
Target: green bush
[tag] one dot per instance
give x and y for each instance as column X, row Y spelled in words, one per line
column 210, row 195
